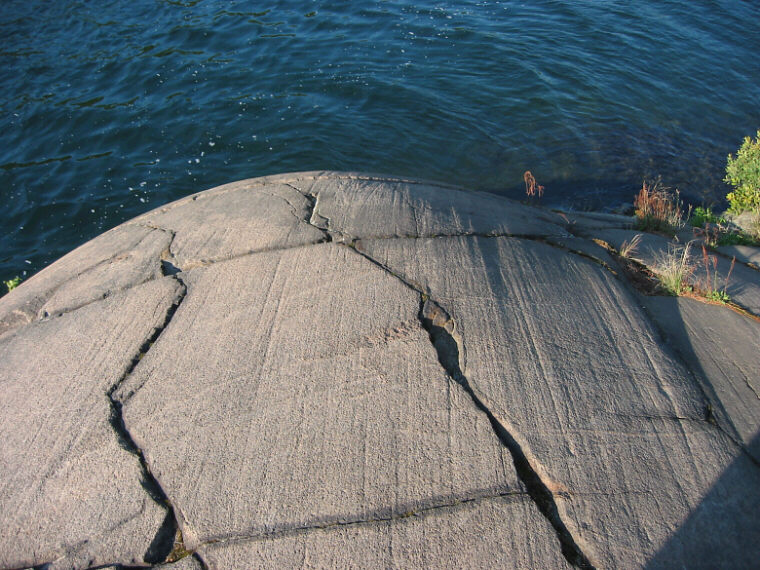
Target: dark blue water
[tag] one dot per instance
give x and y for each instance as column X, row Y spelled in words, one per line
column 109, row 109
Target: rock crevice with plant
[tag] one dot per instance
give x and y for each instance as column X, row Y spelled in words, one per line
column 693, row 252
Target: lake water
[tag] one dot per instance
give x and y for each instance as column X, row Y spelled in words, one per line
column 110, row 109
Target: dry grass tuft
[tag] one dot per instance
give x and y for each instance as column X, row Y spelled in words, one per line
column 674, row 269
column 658, row 209
column 532, row 188
column 628, row 249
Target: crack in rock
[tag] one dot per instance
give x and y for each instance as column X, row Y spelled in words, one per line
column 40, row 315
column 447, row 360
column 167, row 539
column 255, row 184
column 441, row 328
column 167, row 258
column 311, row 200
column 416, row 512
column 580, row 253
column 170, row 268
column 201, row 561
column 314, row 218
column 442, row 331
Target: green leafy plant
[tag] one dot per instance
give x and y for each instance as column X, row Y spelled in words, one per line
column 715, row 235
column 743, row 173
column 715, row 231
column 719, row 296
column 737, row 238
column 658, row 209
column 11, row 284
column 701, row 216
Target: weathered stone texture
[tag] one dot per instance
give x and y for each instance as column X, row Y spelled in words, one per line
column 355, row 207
column 721, row 348
column 70, row 494
column 585, row 222
column 458, row 382
column 312, row 396
column 121, row 258
column 234, row 220
column 560, row 353
column 743, row 253
column 500, row 532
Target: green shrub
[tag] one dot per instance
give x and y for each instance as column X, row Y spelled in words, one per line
column 737, row 238
column 11, row 284
column 702, row 216
column 743, row 173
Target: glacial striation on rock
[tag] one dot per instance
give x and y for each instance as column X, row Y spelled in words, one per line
column 331, row 369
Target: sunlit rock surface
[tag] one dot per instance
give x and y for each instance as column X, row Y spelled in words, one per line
column 336, row 370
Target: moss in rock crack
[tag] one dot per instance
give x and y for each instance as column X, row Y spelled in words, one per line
column 178, row 550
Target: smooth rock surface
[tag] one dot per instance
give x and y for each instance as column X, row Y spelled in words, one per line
column 123, row 257
column 71, row 494
column 721, row 348
column 489, row 533
column 331, row 407
column 454, row 381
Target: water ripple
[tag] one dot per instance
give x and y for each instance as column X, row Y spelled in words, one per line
column 109, row 110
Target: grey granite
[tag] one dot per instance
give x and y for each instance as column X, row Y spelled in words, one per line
column 454, row 381
column 72, row 492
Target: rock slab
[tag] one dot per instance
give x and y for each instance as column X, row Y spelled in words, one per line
column 338, row 369
column 72, row 492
